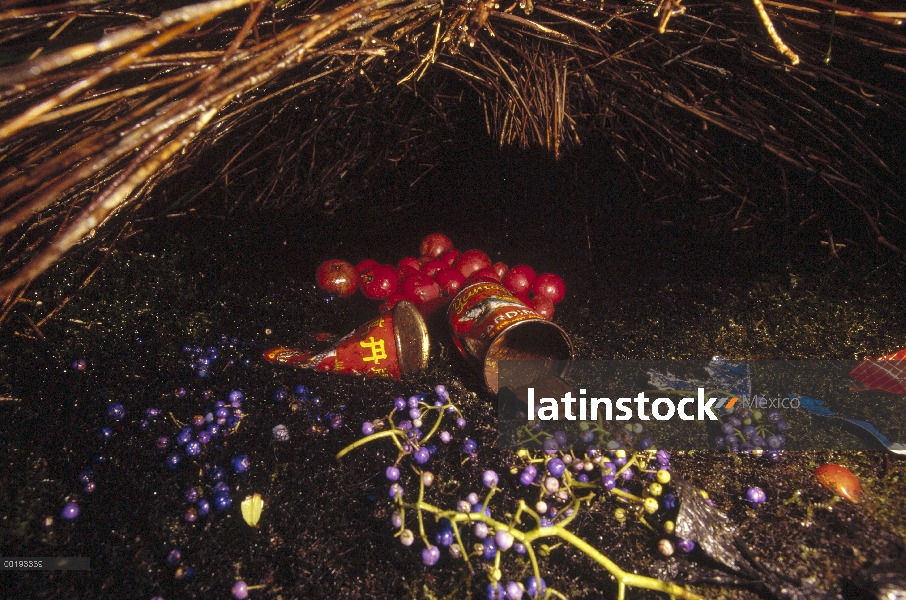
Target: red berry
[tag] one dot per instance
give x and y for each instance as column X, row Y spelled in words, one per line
column 431, row 268
column 524, row 299
column 364, row 265
column 449, row 280
column 449, row 256
column 420, row 289
column 548, row 284
column 518, row 280
column 486, row 274
column 391, row 301
column 378, row 281
column 501, row 269
column 337, row 277
column 404, row 271
column 422, row 260
column 436, row 244
column 543, row 306
column 410, row 261
column 471, row 261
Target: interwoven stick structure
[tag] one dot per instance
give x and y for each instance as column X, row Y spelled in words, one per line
column 102, row 101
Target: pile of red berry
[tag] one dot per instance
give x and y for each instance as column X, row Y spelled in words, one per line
column 433, row 278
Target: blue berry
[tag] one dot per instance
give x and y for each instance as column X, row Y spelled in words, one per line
column 495, row 591
column 213, row 429
column 470, row 446
column 670, row 501
column 561, row 438
column 608, row 482
column 222, row 412
column 106, row 433
column 749, row 432
column 445, row 537
column 204, row 507
column 773, row 442
column 174, row 557
column 183, row 437
column 781, row 426
column 241, row 463
column 489, row 548
column 489, row 478
column 774, row 416
column 222, row 501
column 587, row 437
column 431, row 555
column 646, row 443
column 367, row 428
column 235, row 396
column 80, row 364
column 204, row 437
column 533, row 588
column 70, row 511
column 173, row 460
column 192, row 495
column 115, row 410
column 582, row 478
column 217, row 474
column 520, row 548
column 193, row 448
column 162, row 443
column 280, row 396
column 528, row 475
column 685, row 546
column 556, row 467
column 422, row 455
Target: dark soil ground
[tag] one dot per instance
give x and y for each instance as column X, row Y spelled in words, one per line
column 637, row 287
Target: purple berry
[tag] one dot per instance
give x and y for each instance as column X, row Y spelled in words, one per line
column 528, row 475
column 421, row 455
column 561, row 438
column 174, row 557
column 431, row 555
column 470, row 446
column 70, row 511
column 460, row 422
column 392, row 473
column 550, row 446
column 755, row 496
column 685, row 546
column 222, row 501
column 489, row 478
column 240, row 590
column 445, row 437
column 367, row 428
column 116, row 411
column 663, row 457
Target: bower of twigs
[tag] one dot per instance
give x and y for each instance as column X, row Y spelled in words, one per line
column 752, row 111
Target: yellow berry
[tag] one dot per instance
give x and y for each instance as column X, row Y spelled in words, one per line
column 651, row 505
column 669, row 527
column 655, row 489
column 620, row 515
column 663, row 477
column 620, row 453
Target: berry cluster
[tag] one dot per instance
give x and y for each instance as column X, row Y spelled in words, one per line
column 748, row 431
column 203, row 360
column 434, row 277
column 554, row 483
